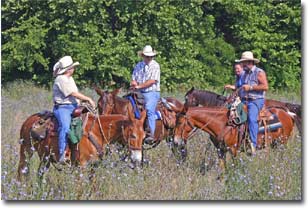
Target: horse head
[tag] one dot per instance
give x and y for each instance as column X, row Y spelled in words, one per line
column 135, row 134
column 190, row 98
column 183, row 127
column 105, row 102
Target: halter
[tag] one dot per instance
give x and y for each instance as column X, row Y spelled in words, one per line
column 103, row 102
column 187, row 122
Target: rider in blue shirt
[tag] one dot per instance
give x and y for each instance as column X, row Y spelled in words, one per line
column 255, row 85
column 239, row 74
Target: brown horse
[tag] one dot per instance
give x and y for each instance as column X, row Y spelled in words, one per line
column 213, row 120
column 206, row 98
column 110, row 103
column 97, row 132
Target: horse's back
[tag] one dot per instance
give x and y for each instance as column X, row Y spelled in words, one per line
column 286, row 120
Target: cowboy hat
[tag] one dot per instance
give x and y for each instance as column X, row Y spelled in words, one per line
column 147, row 51
column 64, row 64
column 248, row 56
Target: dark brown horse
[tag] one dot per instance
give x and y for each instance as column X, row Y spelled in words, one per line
column 205, row 98
column 213, row 120
column 110, row 103
column 97, row 132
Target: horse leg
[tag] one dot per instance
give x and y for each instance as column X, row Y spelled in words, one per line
column 207, row 161
column 222, row 161
column 179, row 150
column 26, row 152
column 43, row 168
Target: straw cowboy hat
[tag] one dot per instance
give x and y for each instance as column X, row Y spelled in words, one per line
column 64, row 64
column 147, row 51
column 248, row 56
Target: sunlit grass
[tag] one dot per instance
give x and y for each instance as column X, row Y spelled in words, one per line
column 276, row 176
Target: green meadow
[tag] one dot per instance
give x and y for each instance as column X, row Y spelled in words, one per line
column 276, row 176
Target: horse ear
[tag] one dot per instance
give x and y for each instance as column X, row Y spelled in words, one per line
column 116, row 91
column 98, row 90
column 189, row 91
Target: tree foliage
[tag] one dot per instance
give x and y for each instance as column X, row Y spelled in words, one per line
column 197, row 40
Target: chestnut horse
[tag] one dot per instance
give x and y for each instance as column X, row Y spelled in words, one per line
column 205, row 98
column 97, row 132
column 110, row 103
column 213, row 120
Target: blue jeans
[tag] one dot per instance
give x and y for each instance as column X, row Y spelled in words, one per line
column 254, row 107
column 63, row 114
column 151, row 99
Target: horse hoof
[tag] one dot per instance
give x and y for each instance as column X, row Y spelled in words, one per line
column 131, row 165
column 146, row 161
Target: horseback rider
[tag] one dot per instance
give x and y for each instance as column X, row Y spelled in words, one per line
column 146, row 79
column 255, row 85
column 65, row 98
column 239, row 74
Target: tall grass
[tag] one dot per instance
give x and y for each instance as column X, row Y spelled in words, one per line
column 277, row 176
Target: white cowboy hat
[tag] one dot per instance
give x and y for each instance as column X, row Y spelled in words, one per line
column 64, row 64
column 147, row 51
column 248, row 56
column 55, row 69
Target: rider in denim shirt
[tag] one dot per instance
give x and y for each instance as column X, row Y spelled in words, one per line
column 255, row 85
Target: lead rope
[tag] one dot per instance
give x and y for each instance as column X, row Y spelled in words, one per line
column 101, row 129
column 96, row 114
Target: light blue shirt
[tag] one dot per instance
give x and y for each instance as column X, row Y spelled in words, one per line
column 143, row 72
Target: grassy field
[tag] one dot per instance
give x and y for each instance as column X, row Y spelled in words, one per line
column 276, row 177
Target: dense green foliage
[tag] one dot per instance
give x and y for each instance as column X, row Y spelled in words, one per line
column 197, row 40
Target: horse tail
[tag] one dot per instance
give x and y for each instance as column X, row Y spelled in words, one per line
column 295, row 116
column 296, row 119
column 298, row 123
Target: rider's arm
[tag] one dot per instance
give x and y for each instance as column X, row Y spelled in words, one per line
column 80, row 96
column 146, row 84
column 263, row 85
column 232, row 87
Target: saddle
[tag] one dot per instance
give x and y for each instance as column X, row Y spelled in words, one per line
column 237, row 113
column 48, row 125
column 167, row 114
column 137, row 101
column 265, row 115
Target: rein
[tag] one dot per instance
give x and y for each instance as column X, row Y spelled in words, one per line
column 193, row 132
column 94, row 111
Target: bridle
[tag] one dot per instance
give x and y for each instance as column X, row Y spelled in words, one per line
column 187, row 122
column 104, row 104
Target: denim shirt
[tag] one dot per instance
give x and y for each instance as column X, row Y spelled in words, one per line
column 251, row 78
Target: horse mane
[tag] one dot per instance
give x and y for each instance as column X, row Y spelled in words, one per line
column 208, row 98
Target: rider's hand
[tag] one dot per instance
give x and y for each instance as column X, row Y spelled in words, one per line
column 246, row 87
column 92, row 102
column 133, row 84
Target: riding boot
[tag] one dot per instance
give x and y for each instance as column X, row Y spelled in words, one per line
column 149, row 139
column 253, row 149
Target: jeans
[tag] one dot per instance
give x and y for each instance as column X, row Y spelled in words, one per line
column 254, row 107
column 63, row 114
column 151, row 99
